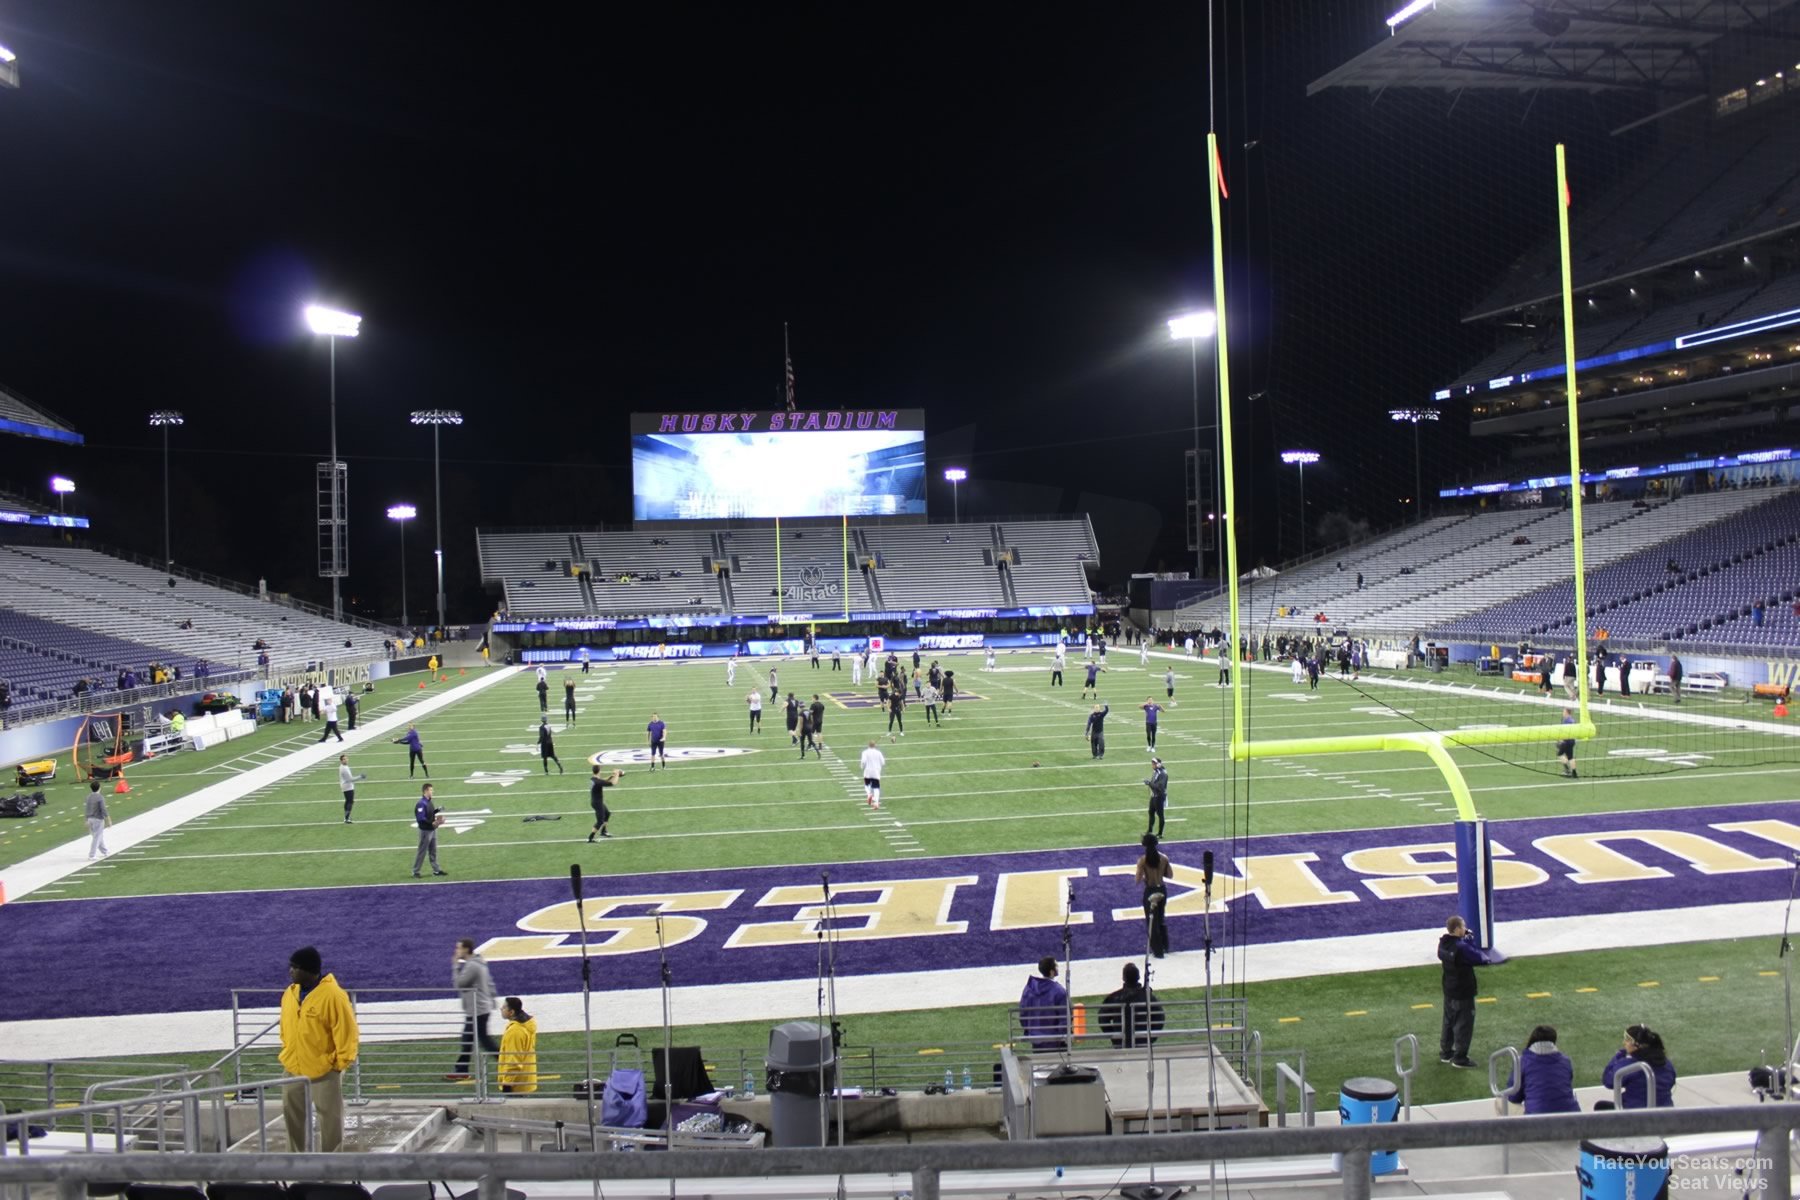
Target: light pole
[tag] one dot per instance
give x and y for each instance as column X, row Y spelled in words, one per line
column 402, row 513
column 162, row 419
column 437, row 418
column 1300, row 458
column 1415, row 415
column 955, row 475
column 62, row 487
column 1193, row 328
column 332, row 324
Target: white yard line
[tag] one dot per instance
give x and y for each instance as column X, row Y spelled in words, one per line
column 60, row 862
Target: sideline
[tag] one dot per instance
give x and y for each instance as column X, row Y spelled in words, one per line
column 62, row 861
column 782, row 1000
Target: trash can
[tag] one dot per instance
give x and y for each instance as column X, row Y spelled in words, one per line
column 1369, row 1101
column 801, row 1070
column 1614, row 1168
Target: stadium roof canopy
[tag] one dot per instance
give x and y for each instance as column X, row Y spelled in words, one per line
column 1576, row 45
column 20, row 416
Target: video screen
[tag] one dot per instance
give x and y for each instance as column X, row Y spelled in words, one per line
column 708, row 466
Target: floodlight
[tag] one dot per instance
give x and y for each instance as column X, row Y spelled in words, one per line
column 1409, row 12
column 1193, row 325
column 1300, row 456
column 7, row 55
column 402, row 512
column 166, row 416
column 60, row 485
column 330, row 322
column 955, row 474
column 437, row 416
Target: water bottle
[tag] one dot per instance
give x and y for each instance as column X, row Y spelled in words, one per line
column 749, row 1086
column 1059, row 1172
column 949, row 1082
column 968, row 1080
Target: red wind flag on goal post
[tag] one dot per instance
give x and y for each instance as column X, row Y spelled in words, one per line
column 1219, row 165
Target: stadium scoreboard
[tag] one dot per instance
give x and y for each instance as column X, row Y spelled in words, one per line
column 711, row 465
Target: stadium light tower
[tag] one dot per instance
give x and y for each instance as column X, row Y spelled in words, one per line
column 163, row 419
column 1300, row 458
column 955, row 475
column 1415, row 415
column 1194, row 328
column 62, row 487
column 402, row 513
column 331, row 324
column 437, row 418
column 9, row 68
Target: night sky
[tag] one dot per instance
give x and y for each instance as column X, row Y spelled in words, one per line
column 554, row 215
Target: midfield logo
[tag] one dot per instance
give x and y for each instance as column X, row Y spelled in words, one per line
column 626, row 758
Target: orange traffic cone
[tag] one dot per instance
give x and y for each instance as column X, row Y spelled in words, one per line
column 462, row 670
column 421, row 685
column 443, row 679
column 1781, row 708
column 2, row 893
column 121, row 788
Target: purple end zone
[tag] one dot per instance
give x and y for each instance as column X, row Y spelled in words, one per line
column 73, row 958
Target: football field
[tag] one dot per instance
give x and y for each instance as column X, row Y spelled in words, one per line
column 1334, row 870
column 1009, row 770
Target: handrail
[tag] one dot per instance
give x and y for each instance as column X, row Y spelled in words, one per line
column 926, row 1162
column 1308, row 1095
column 188, row 1098
column 1649, row 1083
column 1495, row 1088
column 1410, row 1042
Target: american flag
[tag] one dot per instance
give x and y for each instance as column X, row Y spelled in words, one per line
column 789, row 356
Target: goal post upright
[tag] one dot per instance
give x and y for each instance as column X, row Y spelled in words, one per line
column 1584, row 727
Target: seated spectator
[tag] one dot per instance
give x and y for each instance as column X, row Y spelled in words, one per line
column 1645, row 1045
column 1545, row 1079
column 1674, row 568
column 5, row 696
column 81, row 687
column 1044, row 1009
column 1131, row 1012
column 259, row 644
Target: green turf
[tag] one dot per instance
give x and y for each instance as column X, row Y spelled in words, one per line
column 967, row 787
column 154, row 782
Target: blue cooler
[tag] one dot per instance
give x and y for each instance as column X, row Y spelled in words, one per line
column 1368, row 1101
column 1624, row 1169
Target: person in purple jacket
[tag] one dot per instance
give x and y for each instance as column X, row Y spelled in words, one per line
column 1459, row 956
column 1645, row 1045
column 415, row 751
column 1545, row 1078
column 657, row 730
column 1044, row 1009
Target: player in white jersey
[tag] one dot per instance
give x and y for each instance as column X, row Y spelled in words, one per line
column 990, row 658
column 731, row 672
column 856, row 666
column 1143, row 654
column 872, row 763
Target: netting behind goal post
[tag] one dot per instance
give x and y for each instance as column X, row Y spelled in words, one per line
column 1432, row 727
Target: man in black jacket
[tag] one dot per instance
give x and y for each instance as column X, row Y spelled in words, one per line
column 1096, row 730
column 1460, row 956
column 1131, row 1012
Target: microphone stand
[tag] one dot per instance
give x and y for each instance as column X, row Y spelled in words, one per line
column 1150, row 1191
column 587, row 1016
column 1068, row 973
column 662, row 955
column 837, row 1079
column 1786, row 1089
column 1212, row 1050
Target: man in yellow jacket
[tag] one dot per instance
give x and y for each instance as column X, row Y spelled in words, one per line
column 518, row 1048
column 319, row 1041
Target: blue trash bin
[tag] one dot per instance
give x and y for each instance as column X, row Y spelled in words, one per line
column 1369, row 1101
column 1618, row 1168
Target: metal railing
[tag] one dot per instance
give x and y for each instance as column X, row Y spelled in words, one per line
column 160, row 1112
column 564, row 1136
column 107, row 700
column 1409, row 1043
column 1180, row 1157
column 51, row 1083
column 409, row 1040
